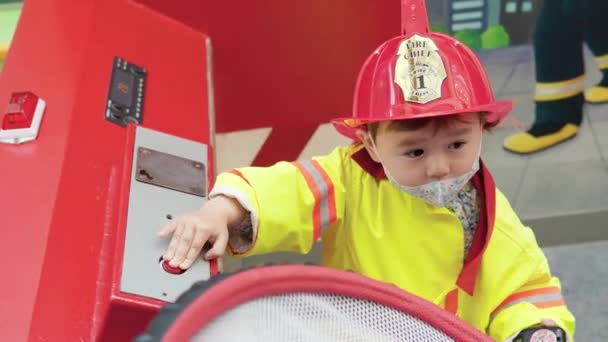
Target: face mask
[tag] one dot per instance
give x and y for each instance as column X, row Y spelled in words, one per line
column 437, row 193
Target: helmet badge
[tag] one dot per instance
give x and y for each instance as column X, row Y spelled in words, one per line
column 419, row 70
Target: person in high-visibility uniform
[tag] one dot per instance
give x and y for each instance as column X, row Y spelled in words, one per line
column 410, row 203
column 562, row 27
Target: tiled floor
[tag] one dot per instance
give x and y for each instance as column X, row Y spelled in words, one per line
column 583, row 271
column 572, row 177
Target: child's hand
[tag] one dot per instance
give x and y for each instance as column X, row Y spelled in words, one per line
column 192, row 231
column 549, row 323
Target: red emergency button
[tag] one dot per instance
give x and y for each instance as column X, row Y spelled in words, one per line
column 22, row 118
column 170, row 269
column 20, row 111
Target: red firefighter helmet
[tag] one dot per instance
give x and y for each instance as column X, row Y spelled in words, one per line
column 420, row 74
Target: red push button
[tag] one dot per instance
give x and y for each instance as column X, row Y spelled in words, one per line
column 20, row 111
column 22, row 118
column 170, row 269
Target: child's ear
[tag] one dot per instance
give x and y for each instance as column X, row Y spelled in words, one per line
column 366, row 139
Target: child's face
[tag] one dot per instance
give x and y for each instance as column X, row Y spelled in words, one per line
column 430, row 153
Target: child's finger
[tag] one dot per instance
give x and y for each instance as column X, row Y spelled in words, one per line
column 183, row 245
column 174, row 242
column 548, row 322
column 200, row 237
column 167, row 229
column 219, row 246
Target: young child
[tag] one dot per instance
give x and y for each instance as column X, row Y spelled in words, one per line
column 410, row 203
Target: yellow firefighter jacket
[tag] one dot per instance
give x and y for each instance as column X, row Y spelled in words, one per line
column 370, row 227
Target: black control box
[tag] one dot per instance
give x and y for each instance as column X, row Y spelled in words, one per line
column 125, row 102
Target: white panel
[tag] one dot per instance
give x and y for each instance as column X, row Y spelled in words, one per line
column 325, row 139
column 148, row 208
column 238, row 149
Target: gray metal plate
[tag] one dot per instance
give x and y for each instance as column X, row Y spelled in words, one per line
column 170, row 171
column 149, row 205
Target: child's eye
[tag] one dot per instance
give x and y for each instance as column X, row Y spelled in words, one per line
column 457, row 145
column 415, row 153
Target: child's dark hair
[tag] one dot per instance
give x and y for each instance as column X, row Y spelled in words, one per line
column 439, row 121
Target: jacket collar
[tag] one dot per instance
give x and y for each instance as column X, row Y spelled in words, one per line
column 486, row 188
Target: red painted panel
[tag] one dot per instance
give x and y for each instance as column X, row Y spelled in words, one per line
column 63, row 194
column 45, row 58
column 285, row 64
column 281, row 64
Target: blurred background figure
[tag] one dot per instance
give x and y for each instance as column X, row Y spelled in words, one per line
column 3, row 51
column 561, row 29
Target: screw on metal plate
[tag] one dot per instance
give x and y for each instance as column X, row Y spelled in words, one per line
column 170, row 171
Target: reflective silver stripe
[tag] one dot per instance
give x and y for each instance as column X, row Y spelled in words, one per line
column 532, row 300
column 547, row 89
column 322, row 186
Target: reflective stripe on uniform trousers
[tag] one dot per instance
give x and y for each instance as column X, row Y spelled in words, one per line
column 559, row 90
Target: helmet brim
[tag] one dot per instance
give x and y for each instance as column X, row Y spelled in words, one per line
column 495, row 111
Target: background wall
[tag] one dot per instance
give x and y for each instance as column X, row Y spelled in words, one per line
column 282, row 70
column 9, row 16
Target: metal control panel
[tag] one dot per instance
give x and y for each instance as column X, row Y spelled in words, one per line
column 168, row 178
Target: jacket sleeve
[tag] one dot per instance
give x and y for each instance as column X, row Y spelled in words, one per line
column 539, row 298
column 290, row 203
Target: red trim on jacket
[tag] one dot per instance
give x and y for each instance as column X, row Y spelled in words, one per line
column 368, row 164
column 486, row 188
column 238, row 173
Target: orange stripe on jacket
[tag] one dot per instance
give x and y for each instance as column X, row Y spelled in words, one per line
column 541, row 298
column 331, row 195
column 312, row 185
column 451, row 301
column 319, row 183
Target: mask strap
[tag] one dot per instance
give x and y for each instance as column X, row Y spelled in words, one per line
column 374, row 146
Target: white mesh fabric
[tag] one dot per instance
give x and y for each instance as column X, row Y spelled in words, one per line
column 317, row 317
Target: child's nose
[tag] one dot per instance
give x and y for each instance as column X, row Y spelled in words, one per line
column 438, row 168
